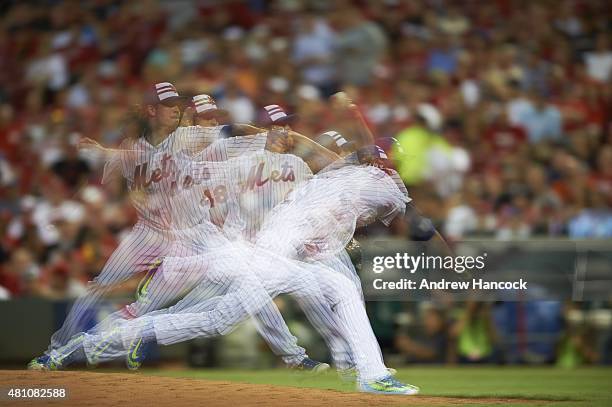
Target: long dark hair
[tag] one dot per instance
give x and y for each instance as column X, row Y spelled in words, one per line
column 135, row 123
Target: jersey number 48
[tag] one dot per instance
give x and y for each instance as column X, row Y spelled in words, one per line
column 218, row 195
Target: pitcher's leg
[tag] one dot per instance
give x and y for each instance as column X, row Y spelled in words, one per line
column 273, row 329
column 354, row 320
column 138, row 250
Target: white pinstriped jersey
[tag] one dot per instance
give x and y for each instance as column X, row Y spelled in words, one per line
column 189, row 203
column 221, row 151
column 319, row 218
column 202, row 190
column 152, row 173
column 352, row 160
column 259, row 182
column 232, row 147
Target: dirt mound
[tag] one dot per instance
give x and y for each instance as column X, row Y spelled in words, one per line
column 115, row 389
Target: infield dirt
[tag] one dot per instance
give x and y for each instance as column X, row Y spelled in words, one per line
column 116, row 389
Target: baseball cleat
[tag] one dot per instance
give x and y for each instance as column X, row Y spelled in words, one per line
column 388, row 385
column 135, row 355
column 44, row 363
column 312, row 366
column 58, row 358
column 38, row 363
column 65, row 355
column 349, row 375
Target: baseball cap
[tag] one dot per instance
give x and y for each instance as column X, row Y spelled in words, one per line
column 374, row 151
column 390, row 144
column 371, row 153
column 163, row 92
column 205, row 105
column 333, row 140
column 276, row 115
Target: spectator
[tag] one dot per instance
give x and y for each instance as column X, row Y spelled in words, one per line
column 239, row 106
column 431, row 76
column 517, row 102
column 359, row 46
column 442, row 57
column 576, row 345
column 417, row 142
column 313, row 53
column 448, row 164
column 50, row 69
column 19, row 275
column 601, row 178
column 475, row 334
column 431, row 344
column 593, row 222
column 546, row 202
column 542, row 121
column 59, row 283
column 504, row 138
column 7, row 175
column 453, row 22
column 71, row 168
column 462, row 219
column 599, row 61
column 4, row 294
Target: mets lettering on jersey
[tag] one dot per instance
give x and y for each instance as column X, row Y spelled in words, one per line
column 168, row 168
column 255, row 178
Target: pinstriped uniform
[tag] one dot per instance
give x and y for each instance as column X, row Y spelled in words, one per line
column 196, row 235
column 342, row 262
column 360, row 195
column 189, row 205
column 149, row 170
column 200, row 315
column 352, row 160
column 327, row 210
column 261, row 181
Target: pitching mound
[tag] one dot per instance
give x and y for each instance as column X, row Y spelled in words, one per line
column 115, row 389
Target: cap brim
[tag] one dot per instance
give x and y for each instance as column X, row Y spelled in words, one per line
column 174, row 100
column 329, row 143
column 213, row 113
column 290, row 118
column 349, row 145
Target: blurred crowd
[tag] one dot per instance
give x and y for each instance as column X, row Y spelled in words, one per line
column 502, row 108
column 537, row 332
